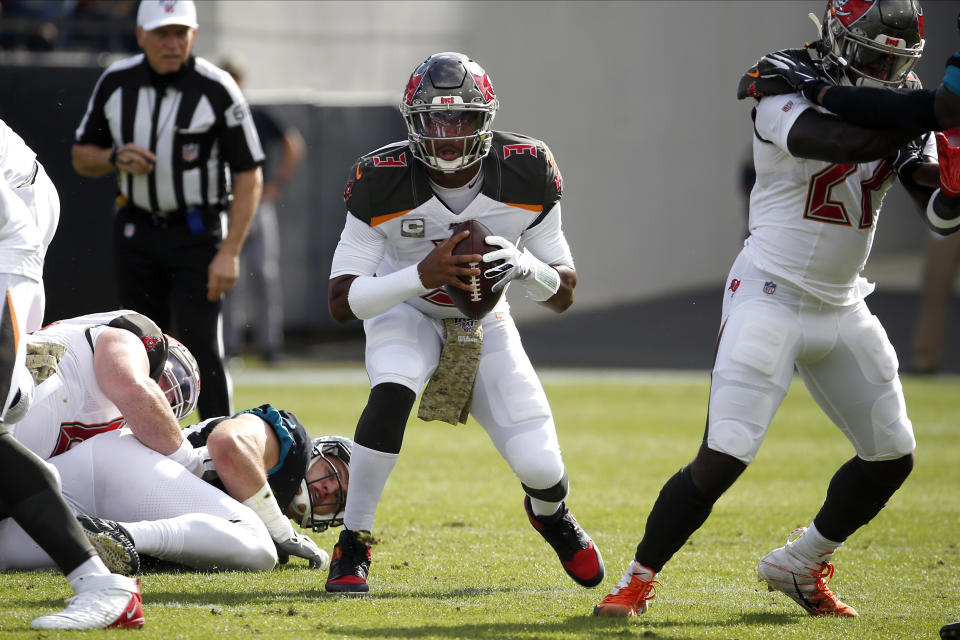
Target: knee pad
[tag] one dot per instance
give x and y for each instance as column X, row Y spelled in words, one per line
column 534, row 457
column 739, row 417
column 871, row 348
column 556, row 493
column 892, row 430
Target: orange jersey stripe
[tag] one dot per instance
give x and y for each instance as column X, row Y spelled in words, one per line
column 536, row 208
column 386, row 218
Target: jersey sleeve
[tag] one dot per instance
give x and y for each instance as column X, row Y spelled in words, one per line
column 359, row 250
column 776, row 115
column 239, row 139
column 94, row 128
column 547, row 242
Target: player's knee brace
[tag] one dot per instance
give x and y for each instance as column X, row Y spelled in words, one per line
column 857, row 492
column 555, row 493
column 384, row 419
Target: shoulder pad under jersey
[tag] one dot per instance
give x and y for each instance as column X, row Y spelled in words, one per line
column 386, row 183
column 520, row 171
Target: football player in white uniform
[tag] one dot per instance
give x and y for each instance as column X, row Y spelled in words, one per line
column 389, row 270
column 795, row 298
column 29, row 212
column 147, row 504
column 96, row 371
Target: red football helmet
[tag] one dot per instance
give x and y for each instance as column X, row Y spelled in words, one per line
column 448, row 106
column 180, row 379
column 874, row 42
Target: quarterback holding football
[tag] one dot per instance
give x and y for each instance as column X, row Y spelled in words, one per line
column 391, row 269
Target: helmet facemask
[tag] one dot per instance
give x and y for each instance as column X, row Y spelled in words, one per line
column 879, row 47
column 322, row 513
column 448, row 107
column 180, row 379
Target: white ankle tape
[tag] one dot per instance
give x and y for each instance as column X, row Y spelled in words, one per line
column 264, row 504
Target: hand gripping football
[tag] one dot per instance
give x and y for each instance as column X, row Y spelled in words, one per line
column 476, row 303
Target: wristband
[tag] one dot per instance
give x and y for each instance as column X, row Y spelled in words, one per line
column 941, row 203
column 542, row 283
column 369, row 296
column 265, row 505
column 811, row 90
column 113, row 157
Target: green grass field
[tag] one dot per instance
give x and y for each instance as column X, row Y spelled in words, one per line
column 456, row 557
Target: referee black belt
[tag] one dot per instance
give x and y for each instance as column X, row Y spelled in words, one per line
column 166, row 218
column 28, row 182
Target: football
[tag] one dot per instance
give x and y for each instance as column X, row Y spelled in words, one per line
column 477, row 303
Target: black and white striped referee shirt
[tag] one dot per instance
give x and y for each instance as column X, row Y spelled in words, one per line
column 196, row 121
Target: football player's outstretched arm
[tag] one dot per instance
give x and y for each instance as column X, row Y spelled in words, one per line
column 820, row 136
column 123, row 373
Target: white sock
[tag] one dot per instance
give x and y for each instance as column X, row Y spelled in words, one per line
column 813, row 547
column 91, row 567
column 369, row 471
column 541, row 508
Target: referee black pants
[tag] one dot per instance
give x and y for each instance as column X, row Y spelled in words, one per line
column 162, row 273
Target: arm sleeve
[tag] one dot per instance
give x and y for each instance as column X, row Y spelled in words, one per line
column 547, row 242
column 359, row 251
column 883, row 108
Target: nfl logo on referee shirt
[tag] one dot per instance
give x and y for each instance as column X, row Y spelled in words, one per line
column 769, row 287
column 191, row 152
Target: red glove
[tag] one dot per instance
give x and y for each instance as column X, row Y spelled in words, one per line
column 948, row 148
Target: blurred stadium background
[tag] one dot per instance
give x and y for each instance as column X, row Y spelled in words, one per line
column 636, row 100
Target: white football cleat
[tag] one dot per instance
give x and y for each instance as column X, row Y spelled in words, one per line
column 804, row 582
column 106, row 601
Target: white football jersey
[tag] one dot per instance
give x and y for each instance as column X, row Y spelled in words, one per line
column 16, row 158
column 812, row 222
column 69, row 406
column 394, row 218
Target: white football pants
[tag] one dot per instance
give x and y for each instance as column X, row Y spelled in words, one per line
column 403, row 347
column 842, row 354
column 171, row 514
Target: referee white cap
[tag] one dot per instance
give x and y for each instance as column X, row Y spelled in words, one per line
column 154, row 14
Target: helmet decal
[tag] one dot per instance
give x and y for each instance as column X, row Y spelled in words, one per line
column 412, row 87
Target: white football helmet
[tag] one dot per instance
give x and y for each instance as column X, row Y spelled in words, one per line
column 324, row 449
column 180, row 378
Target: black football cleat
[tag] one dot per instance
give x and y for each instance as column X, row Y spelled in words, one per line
column 112, row 542
column 350, row 564
column 950, row 631
column 578, row 554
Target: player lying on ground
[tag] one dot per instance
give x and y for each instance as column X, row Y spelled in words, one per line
column 147, row 504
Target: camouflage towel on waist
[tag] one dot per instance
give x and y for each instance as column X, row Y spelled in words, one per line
column 449, row 391
column 43, row 359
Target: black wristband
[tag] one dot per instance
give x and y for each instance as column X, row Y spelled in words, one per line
column 113, row 157
column 811, row 90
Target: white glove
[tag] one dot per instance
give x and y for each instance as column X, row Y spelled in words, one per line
column 302, row 546
column 540, row 280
